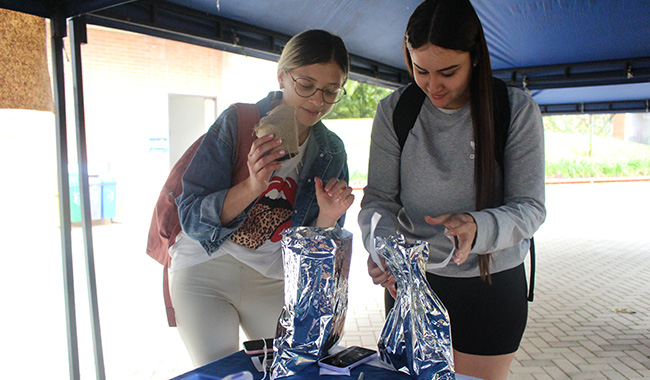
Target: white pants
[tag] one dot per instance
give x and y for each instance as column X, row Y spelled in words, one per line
column 214, row 298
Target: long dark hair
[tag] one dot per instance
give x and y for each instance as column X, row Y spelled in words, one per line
column 454, row 24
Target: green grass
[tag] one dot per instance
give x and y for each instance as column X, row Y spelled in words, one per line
column 573, row 156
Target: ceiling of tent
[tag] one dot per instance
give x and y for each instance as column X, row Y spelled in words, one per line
column 573, row 55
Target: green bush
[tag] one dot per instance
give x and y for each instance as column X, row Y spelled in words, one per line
column 567, row 168
column 599, row 125
column 359, row 177
column 360, row 102
column 574, row 155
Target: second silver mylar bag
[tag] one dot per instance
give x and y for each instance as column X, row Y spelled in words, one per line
column 416, row 338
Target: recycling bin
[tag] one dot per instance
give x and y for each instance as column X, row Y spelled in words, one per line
column 95, row 189
column 109, row 207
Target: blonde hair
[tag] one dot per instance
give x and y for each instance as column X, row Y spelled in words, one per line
column 314, row 46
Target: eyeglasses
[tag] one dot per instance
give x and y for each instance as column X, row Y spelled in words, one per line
column 306, row 88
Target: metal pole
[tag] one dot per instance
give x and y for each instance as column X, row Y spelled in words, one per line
column 58, row 31
column 591, row 134
column 78, row 37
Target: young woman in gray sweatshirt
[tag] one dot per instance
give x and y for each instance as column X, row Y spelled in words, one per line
column 446, row 185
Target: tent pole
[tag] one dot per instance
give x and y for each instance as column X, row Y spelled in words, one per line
column 77, row 27
column 58, row 32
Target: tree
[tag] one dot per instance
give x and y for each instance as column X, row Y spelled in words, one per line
column 599, row 125
column 359, row 102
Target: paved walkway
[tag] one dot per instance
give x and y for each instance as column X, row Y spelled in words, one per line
column 590, row 318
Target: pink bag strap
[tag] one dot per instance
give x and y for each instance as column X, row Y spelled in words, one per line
column 169, row 308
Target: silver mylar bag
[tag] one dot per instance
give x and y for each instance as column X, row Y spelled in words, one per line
column 416, row 338
column 316, row 267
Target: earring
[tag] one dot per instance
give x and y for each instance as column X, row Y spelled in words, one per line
column 475, row 64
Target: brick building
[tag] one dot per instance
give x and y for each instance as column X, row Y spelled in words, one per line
column 147, row 99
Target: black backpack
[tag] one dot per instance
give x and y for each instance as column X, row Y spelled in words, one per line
column 407, row 111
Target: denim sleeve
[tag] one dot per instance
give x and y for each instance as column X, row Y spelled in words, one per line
column 206, row 183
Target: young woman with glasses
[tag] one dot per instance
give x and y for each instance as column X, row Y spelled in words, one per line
column 226, row 269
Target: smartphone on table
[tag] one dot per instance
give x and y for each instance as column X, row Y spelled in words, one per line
column 262, row 363
column 347, row 359
column 256, row 347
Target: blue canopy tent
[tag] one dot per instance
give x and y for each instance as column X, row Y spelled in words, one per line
column 552, row 47
column 575, row 56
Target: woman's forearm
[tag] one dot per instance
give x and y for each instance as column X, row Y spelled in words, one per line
column 236, row 201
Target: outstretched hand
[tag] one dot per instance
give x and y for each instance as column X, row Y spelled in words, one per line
column 461, row 228
column 333, row 199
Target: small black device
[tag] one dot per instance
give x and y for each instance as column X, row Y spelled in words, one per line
column 263, row 362
column 347, row 359
column 256, row 347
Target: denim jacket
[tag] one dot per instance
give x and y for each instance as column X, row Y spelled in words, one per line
column 208, row 178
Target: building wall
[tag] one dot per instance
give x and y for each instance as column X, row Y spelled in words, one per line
column 637, row 128
column 618, row 130
column 128, row 80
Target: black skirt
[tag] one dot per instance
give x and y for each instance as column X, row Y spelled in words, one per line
column 485, row 319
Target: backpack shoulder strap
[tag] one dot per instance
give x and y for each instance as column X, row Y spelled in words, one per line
column 248, row 115
column 407, row 111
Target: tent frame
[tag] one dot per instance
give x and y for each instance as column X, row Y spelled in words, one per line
column 179, row 23
column 78, row 36
column 183, row 24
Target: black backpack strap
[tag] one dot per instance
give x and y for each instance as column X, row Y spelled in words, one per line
column 407, row 111
column 531, row 283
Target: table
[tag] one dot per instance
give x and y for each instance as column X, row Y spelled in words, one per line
column 239, row 361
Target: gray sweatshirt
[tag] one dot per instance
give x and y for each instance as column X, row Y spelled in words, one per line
column 434, row 175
